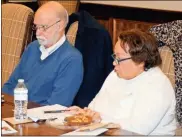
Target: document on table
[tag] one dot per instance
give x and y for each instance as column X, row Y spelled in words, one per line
column 7, row 129
column 93, row 132
column 38, row 113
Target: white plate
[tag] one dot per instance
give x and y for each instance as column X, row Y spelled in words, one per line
column 7, row 129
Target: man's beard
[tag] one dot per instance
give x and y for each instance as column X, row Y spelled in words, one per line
column 42, row 40
column 45, row 42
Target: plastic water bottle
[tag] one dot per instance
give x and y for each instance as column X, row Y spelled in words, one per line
column 20, row 101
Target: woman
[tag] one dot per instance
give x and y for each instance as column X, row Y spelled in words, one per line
column 136, row 95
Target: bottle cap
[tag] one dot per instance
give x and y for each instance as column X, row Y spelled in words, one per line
column 20, row 80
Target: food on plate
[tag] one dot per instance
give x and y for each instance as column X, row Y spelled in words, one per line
column 78, row 120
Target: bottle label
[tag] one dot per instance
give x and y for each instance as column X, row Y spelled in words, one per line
column 20, row 96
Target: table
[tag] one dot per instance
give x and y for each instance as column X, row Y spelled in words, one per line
column 41, row 129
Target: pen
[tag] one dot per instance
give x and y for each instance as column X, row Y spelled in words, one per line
column 49, row 119
column 55, row 111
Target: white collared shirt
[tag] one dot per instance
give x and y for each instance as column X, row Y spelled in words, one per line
column 48, row 51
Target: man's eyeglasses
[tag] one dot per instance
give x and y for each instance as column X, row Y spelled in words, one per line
column 117, row 60
column 43, row 27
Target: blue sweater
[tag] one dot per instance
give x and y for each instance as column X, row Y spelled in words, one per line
column 55, row 80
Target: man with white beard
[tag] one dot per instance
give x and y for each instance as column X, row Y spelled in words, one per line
column 50, row 66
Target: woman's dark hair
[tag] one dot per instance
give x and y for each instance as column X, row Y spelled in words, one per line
column 143, row 47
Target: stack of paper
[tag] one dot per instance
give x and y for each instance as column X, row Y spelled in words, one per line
column 38, row 113
column 7, row 129
column 93, row 126
column 93, row 132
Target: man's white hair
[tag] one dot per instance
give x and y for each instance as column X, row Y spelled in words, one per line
column 66, row 17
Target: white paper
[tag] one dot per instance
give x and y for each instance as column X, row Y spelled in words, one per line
column 38, row 113
column 93, row 132
column 9, row 130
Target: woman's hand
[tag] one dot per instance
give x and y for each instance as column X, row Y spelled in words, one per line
column 86, row 111
column 95, row 115
column 75, row 110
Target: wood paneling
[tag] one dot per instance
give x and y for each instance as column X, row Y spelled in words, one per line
column 107, row 25
column 120, row 25
column 105, row 13
column 129, row 13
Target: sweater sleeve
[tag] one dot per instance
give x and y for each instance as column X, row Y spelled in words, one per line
column 9, row 86
column 67, row 82
column 100, row 97
column 146, row 116
column 149, row 110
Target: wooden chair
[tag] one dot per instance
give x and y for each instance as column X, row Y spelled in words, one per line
column 16, row 34
column 72, row 31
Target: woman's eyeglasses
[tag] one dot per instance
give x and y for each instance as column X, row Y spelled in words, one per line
column 117, row 60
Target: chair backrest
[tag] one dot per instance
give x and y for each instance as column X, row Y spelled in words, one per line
column 167, row 63
column 16, row 34
column 178, row 131
column 72, row 31
column 70, row 5
column 167, row 66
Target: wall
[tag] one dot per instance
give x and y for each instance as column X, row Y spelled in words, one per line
column 161, row 5
column 105, row 13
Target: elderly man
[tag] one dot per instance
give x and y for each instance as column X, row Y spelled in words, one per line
column 137, row 95
column 50, row 66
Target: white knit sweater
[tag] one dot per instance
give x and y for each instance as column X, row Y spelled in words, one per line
column 145, row 104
